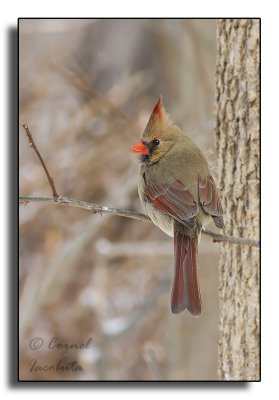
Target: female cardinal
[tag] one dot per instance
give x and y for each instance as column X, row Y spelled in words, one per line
column 179, row 195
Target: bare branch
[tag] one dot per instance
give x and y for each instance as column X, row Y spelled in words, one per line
column 95, row 208
column 217, row 237
column 31, row 141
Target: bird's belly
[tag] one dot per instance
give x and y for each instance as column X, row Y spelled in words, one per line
column 163, row 221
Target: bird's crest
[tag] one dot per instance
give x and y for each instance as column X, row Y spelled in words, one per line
column 158, row 111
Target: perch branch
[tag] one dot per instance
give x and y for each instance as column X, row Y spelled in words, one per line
column 31, row 141
column 218, row 237
column 95, row 208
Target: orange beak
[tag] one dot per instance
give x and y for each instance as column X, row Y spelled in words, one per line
column 140, row 148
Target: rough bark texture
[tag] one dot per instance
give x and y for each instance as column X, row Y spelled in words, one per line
column 237, row 138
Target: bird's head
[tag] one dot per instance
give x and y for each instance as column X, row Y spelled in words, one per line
column 158, row 137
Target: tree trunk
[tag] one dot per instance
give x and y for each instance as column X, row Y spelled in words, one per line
column 237, row 138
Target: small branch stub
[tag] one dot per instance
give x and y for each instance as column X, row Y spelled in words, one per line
column 31, row 141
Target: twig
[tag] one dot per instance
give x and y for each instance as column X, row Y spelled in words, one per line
column 31, row 141
column 217, row 237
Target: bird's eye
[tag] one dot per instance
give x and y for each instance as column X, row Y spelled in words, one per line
column 155, row 142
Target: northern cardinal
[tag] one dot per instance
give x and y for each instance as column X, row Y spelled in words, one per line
column 178, row 193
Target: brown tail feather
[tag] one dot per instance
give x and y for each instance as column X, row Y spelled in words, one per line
column 185, row 289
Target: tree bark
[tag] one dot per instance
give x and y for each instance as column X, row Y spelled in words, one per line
column 237, row 139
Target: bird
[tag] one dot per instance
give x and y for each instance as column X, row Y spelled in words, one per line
column 178, row 193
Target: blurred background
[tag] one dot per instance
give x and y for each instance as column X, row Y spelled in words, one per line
column 87, row 89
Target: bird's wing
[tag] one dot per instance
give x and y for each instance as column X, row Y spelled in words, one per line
column 175, row 200
column 210, row 200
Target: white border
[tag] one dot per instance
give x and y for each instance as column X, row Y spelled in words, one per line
column 270, row 168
